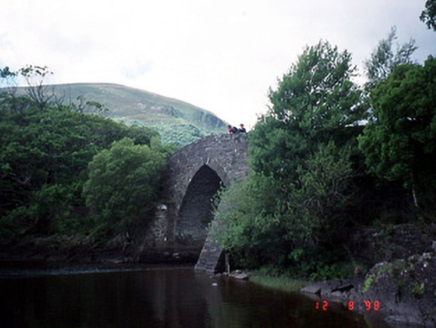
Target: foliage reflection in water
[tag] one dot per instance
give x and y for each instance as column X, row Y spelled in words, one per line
column 156, row 297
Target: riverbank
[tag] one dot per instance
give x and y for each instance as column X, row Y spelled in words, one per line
column 397, row 292
column 61, row 248
column 400, row 292
column 82, row 249
column 282, row 283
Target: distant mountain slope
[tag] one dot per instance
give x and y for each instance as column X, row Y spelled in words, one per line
column 176, row 121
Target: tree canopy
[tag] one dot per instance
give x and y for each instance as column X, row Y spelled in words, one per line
column 384, row 59
column 313, row 104
column 123, row 180
column 301, row 160
column 310, row 179
column 45, row 150
column 428, row 16
column 400, row 141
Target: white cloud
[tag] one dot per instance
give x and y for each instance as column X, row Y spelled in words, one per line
column 219, row 55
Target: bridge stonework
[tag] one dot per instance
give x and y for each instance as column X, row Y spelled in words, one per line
column 193, row 176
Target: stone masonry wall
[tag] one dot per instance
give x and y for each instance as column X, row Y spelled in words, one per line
column 192, row 176
column 225, row 154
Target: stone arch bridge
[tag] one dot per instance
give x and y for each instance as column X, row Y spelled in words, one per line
column 193, row 176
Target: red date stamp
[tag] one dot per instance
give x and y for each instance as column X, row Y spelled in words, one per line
column 367, row 305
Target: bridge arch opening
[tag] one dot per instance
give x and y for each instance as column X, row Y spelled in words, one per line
column 195, row 212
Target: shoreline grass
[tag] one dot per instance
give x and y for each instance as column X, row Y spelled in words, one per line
column 283, row 283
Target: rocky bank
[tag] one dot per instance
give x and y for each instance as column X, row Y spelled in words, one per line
column 400, row 292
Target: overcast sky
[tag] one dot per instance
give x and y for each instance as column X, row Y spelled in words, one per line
column 221, row 55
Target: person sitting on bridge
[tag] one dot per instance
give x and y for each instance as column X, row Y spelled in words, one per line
column 242, row 129
column 233, row 130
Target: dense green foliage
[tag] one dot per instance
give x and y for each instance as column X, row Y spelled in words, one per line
column 45, row 149
column 123, row 181
column 247, row 221
column 428, row 16
column 400, row 141
column 313, row 105
column 179, row 135
column 301, row 155
column 309, row 178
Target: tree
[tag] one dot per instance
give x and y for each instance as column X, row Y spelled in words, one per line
column 428, row 16
column 315, row 103
column 7, row 77
column 300, row 154
column 249, row 223
column 37, row 90
column 43, row 161
column 383, row 59
column 8, row 95
column 88, row 106
column 263, row 222
column 122, row 183
column 400, row 141
column 44, row 157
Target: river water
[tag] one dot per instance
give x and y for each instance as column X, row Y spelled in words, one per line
column 152, row 296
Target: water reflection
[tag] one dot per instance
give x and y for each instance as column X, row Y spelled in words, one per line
column 175, row 297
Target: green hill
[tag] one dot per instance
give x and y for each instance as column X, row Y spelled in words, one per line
column 178, row 122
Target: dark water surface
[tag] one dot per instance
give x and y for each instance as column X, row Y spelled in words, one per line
column 144, row 296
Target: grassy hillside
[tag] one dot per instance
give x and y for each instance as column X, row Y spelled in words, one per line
column 177, row 121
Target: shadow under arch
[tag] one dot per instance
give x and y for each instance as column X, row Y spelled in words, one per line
column 195, row 212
